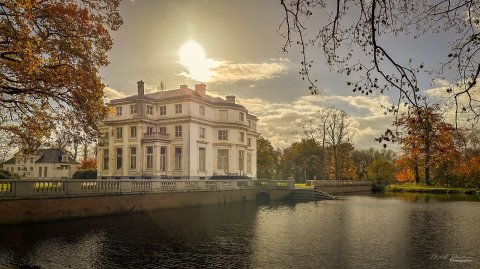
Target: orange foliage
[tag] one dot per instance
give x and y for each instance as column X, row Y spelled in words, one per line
column 51, row 53
column 88, row 164
column 470, row 168
column 404, row 171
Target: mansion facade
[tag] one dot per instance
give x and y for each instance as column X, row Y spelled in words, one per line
column 177, row 134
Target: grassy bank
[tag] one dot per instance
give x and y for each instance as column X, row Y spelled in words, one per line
column 431, row 189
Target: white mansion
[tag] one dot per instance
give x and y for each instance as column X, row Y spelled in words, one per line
column 177, row 134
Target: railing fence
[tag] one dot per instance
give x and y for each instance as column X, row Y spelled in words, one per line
column 72, row 188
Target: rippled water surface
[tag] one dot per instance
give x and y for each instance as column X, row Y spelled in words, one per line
column 365, row 231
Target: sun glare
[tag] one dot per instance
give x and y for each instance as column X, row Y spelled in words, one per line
column 193, row 57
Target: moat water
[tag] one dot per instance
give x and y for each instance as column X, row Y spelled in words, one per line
column 358, row 231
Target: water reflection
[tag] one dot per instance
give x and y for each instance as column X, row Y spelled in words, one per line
column 381, row 231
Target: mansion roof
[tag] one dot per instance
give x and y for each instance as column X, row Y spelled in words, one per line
column 178, row 94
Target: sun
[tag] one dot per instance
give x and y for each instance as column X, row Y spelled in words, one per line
column 193, row 57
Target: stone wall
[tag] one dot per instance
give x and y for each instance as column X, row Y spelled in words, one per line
column 37, row 210
column 338, row 187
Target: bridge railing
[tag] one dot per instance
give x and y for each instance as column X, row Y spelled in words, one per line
column 75, row 188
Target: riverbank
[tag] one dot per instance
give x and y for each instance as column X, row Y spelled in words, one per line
column 431, row 189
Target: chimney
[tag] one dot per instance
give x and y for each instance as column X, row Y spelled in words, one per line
column 140, row 87
column 200, row 88
column 230, row 98
column 183, row 87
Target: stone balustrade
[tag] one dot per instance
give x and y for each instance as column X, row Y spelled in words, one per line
column 25, row 189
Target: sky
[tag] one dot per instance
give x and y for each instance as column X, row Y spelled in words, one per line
column 234, row 47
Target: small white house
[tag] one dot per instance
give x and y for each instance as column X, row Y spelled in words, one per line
column 44, row 164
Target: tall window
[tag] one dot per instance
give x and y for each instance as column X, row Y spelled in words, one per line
column 119, row 153
column 222, row 159
column 178, row 158
column 162, row 130
column 150, row 129
column 149, row 157
column 241, row 160
column 119, row 133
column 178, row 108
column 201, row 132
column 178, row 131
column 149, row 109
column 163, row 159
column 241, row 116
column 106, row 159
column 118, row 109
column 133, row 158
column 45, row 171
column 133, row 131
column 133, row 109
column 223, row 114
column 202, row 111
column 163, row 110
column 222, row 135
column 249, row 162
column 201, row 159
column 39, row 171
column 242, row 137
column 249, row 140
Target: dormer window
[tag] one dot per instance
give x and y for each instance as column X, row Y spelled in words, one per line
column 64, row 158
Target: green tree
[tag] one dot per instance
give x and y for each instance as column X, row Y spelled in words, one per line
column 304, row 160
column 50, row 56
column 268, row 159
column 381, row 170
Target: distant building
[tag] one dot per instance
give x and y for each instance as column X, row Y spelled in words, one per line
column 44, row 164
column 177, row 134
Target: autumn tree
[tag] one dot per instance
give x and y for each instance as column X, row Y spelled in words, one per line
column 360, row 39
column 87, row 164
column 426, row 139
column 50, row 56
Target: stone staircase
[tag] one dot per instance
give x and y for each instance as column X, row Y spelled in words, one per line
column 307, row 195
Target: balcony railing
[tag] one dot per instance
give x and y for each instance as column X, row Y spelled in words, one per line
column 156, row 135
column 28, row 189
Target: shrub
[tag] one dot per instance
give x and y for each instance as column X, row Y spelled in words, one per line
column 4, row 174
column 85, row 174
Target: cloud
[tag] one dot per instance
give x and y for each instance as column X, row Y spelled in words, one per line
column 232, row 72
column 278, row 121
column 446, row 98
column 111, row 93
column 201, row 68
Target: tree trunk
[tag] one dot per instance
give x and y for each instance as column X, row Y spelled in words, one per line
column 417, row 175
column 427, row 174
column 85, row 150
